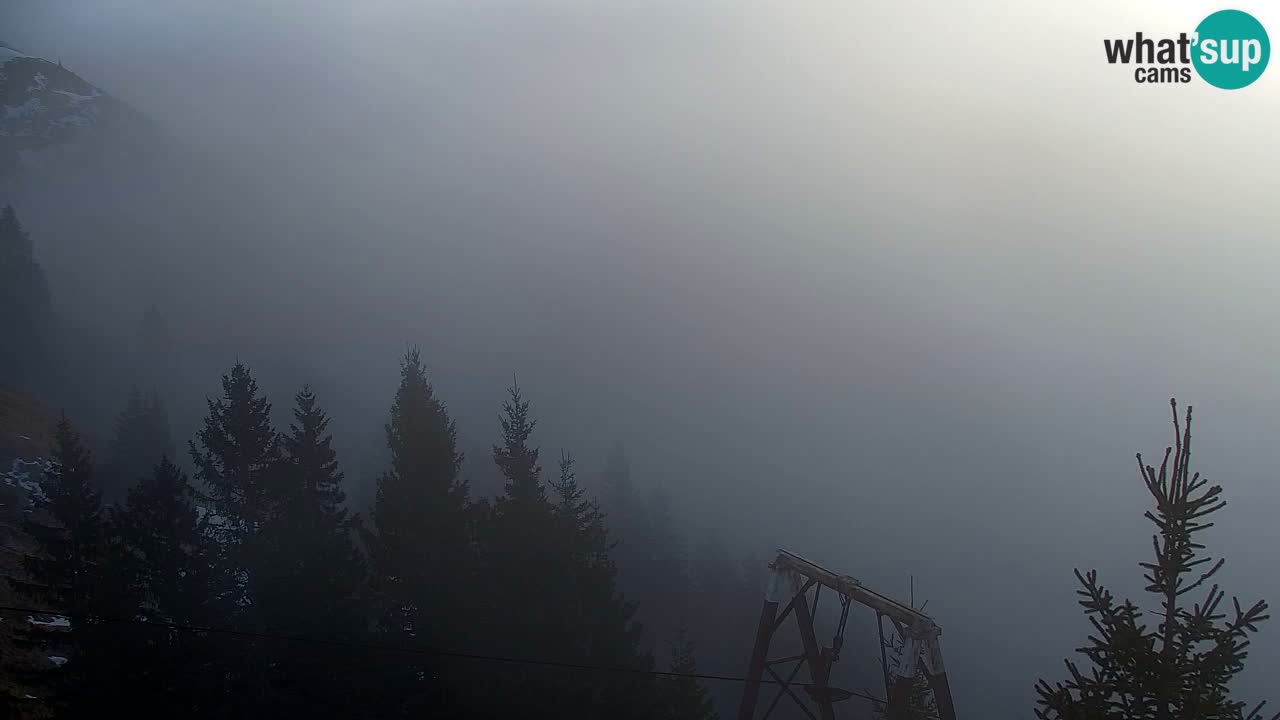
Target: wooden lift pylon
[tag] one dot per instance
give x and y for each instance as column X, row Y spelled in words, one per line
column 791, row 580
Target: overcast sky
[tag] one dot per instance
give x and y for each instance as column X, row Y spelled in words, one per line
column 901, row 286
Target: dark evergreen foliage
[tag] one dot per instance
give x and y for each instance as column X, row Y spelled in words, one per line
column 1182, row 666
column 649, row 551
column 686, row 698
column 66, row 572
column 319, row 570
column 515, row 459
column 550, row 591
column 310, row 576
column 162, row 562
column 160, row 547
column 26, row 314
column 421, row 550
column 141, row 438
column 237, row 462
column 67, row 522
column 235, row 457
column 263, row 544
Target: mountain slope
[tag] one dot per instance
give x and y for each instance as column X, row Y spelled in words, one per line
column 50, row 116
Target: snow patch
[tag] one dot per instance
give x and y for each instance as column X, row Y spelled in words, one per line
column 26, row 474
column 58, row 622
column 76, row 98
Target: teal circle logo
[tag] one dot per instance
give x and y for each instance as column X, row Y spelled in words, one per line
column 1232, row 49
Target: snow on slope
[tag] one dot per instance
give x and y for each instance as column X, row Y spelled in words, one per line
column 25, row 475
column 47, row 110
column 7, row 54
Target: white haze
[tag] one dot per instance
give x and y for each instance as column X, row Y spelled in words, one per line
column 901, row 286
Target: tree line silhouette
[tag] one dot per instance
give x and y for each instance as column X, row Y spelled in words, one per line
column 134, row 561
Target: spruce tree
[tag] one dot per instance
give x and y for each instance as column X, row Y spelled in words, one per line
column 601, row 620
column 21, row 667
column 140, row 439
column 312, row 570
column 67, row 523
column 418, row 537
column 66, row 574
column 320, row 570
column 627, row 521
column 650, row 553
column 236, row 462
column 723, row 611
column 26, row 315
column 524, row 574
column 579, row 516
column 515, row 459
column 160, row 546
column 664, row 588
column 1182, row 664
column 420, row 550
column 686, row 698
column 162, row 557
column 310, row 579
column 550, row 592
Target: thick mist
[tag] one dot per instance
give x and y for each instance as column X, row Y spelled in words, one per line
column 900, row 287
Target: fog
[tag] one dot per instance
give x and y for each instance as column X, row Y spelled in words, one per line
column 901, row 287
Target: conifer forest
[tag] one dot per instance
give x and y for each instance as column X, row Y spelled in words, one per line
column 678, row 361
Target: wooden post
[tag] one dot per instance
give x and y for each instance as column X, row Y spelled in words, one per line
column 759, row 654
column 818, row 668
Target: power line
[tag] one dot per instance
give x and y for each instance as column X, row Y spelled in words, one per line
column 351, row 645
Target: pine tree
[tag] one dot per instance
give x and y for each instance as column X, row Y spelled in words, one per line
column 26, row 315
column 517, row 461
column 1183, row 666
column 67, row 523
column 66, row 574
column 323, row 571
column 141, row 438
column 20, row 666
column 686, row 698
column 420, row 550
column 419, row 531
column 580, row 516
column 667, row 567
column 161, row 547
column 620, row 496
column 723, row 611
column 162, row 557
column 550, row 593
column 314, row 570
column 627, row 521
column 601, row 626
column 236, row 461
column 524, row 574
column 311, row 575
